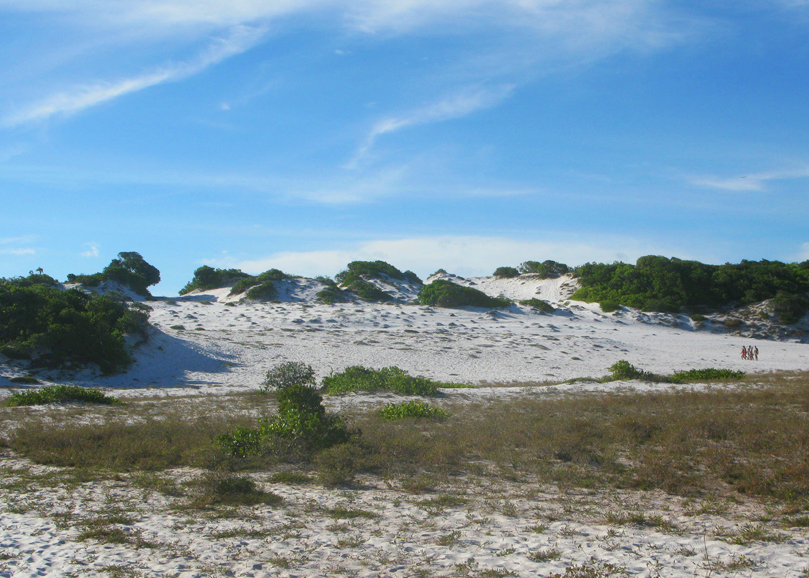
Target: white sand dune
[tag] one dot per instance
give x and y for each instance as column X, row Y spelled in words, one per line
column 215, row 342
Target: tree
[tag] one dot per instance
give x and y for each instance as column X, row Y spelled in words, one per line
column 132, row 270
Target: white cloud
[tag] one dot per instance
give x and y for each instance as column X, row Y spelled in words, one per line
column 463, row 255
column 459, row 105
column 92, row 250
column 239, row 39
column 17, row 252
column 746, row 183
column 18, row 240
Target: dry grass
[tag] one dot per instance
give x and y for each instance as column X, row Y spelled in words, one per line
column 751, row 439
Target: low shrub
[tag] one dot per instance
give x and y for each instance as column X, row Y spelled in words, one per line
column 443, row 293
column 289, row 374
column 414, row 408
column 374, row 269
column 609, row 306
column 545, row 270
column 266, row 291
column 332, row 294
column 359, row 378
column 623, row 370
column 539, row 305
column 439, row 272
column 413, row 278
column 227, row 490
column 58, row 394
column 206, row 277
column 506, row 272
column 702, row 374
column 243, row 285
column 368, row 291
column 301, row 425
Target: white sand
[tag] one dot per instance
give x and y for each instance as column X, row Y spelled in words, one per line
column 497, row 527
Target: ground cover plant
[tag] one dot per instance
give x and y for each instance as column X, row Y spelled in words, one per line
column 52, row 327
column 623, row 370
column 414, row 408
column 539, row 305
column 747, row 440
column 206, row 277
column 375, row 269
column 545, row 270
column 661, row 284
column 443, row 293
column 58, row 394
column 506, row 272
column 359, row 378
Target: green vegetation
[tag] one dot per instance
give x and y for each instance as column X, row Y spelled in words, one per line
column 662, row 284
column 721, row 443
column 332, row 293
column 226, row 490
column 609, row 306
column 414, row 408
column 444, row 293
column 539, row 305
column 209, row 278
column 506, row 272
column 623, row 370
column 58, row 394
column 359, row 378
column 301, row 426
column 289, row 374
column 545, row 270
column 53, row 327
column 265, row 291
column 264, row 279
column 352, row 280
column 129, row 269
column 368, row 291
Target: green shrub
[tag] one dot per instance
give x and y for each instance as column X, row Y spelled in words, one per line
column 661, row 284
column 701, row 374
column 368, row 291
column 439, row 272
column 622, row 370
column 289, row 374
column 375, row 269
column 545, row 270
column 609, row 306
column 273, row 275
column 413, row 278
column 243, row 285
column 359, row 378
column 223, row 489
column 55, row 327
column 301, row 422
column 58, row 394
column 789, row 308
column 266, row 291
column 506, row 272
column 414, row 408
column 539, row 305
column 332, row 294
column 443, row 293
column 206, row 277
column 129, row 270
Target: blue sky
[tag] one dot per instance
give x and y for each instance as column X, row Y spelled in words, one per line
column 463, row 134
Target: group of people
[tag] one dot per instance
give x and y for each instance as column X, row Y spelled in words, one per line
column 750, row 353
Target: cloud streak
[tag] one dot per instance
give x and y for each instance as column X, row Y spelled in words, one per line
column 459, row 105
column 748, row 183
column 238, row 40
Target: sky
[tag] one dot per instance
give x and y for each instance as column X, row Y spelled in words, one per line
column 455, row 134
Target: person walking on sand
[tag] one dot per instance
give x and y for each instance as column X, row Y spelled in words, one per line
column 755, row 353
column 744, row 352
column 750, row 352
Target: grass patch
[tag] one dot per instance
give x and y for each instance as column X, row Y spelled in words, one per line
column 59, row 394
column 218, row 489
column 415, row 408
column 539, row 305
column 359, row 378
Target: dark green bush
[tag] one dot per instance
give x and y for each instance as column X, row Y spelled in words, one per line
column 413, row 278
column 266, row 291
column 129, row 270
column 375, row 269
column 414, row 408
column 243, row 285
column 545, row 270
column 506, row 272
column 609, row 306
column 206, row 277
column 439, row 272
column 54, row 327
column 443, row 293
column 368, row 291
column 662, row 284
column 359, row 378
column 700, row 374
column 332, row 294
column 623, row 370
column 58, row 394
column 539, row 305
column 789, row 308
column 288, row 374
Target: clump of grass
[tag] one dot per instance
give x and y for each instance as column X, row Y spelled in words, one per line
column 415, row 408
column 221, row 489
column 359, row 378
column 59, row 394
column 623, row 370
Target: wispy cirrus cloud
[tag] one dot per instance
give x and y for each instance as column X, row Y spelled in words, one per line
column 238, row 40
column 458, row 105
column 748, row 183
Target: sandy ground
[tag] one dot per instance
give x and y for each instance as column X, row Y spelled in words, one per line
column 210, row 342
